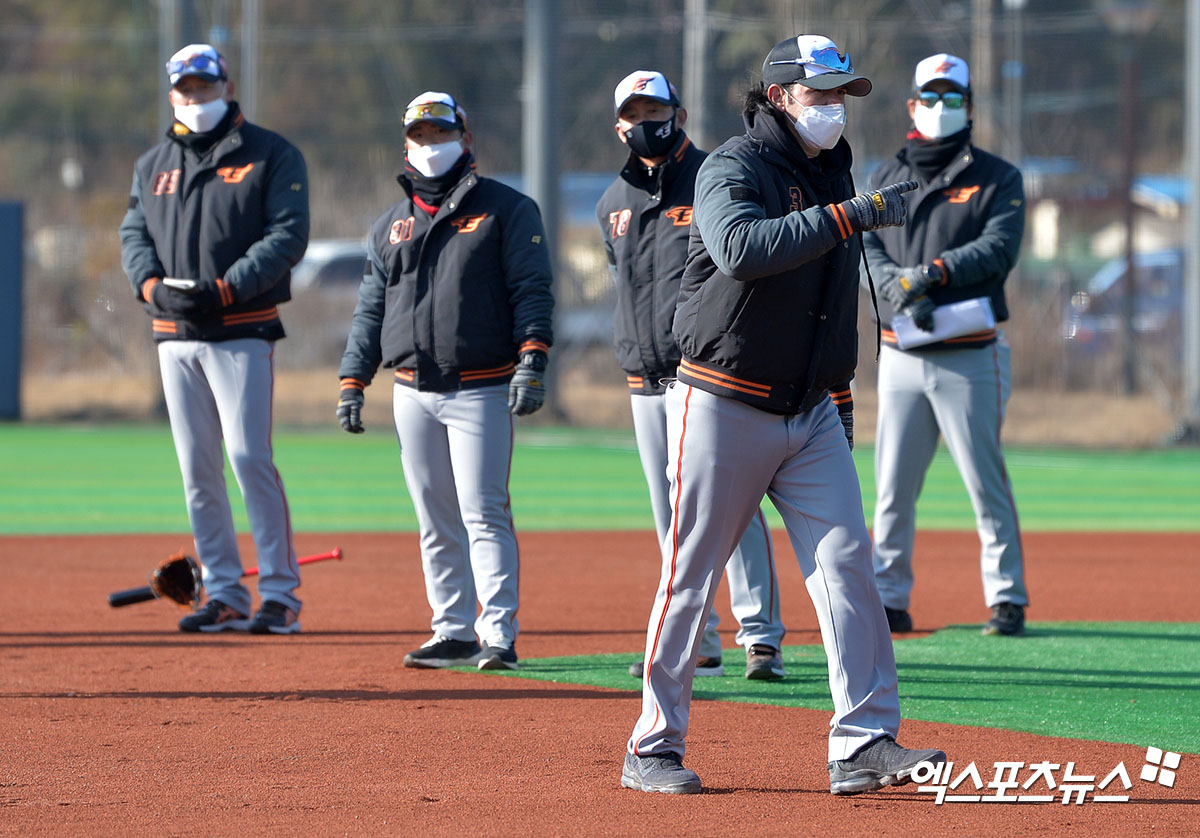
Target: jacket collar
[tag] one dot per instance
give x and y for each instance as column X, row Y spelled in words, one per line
column 663, row 176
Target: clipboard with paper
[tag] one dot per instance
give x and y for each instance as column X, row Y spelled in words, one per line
column 949, row 321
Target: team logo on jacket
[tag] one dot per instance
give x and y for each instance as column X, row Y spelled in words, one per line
column 618, row 223
column 165, row 183
column 235, row 174
column 469, row 223
column 402, row 230
column 680, row 216
column 961, row 195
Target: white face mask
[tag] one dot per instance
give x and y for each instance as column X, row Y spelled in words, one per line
column 434, row 160
column 204, row 117
column 939, row 121
column 822, row 125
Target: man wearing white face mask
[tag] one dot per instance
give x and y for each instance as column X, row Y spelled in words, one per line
column 456, row 301
column 217, row 217
column 963, row 235
column 767, row 328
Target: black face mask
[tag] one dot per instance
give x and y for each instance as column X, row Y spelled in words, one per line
column 652, row 139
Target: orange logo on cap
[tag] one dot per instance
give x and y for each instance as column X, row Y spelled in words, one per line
column 945, row 67
column 640, row 84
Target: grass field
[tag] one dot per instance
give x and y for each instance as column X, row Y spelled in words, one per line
column 124, row 479
column 1144, row 690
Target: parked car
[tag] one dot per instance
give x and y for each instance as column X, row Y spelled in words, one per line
column 1094, row 317
column 324, row 291
column 330, row 264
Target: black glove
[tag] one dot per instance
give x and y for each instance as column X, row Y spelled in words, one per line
column 920, row 311
column 909, row 283
column 201, row 300
column 349, row 408
column 884, row 207
column 527, row 389
column 846, row 414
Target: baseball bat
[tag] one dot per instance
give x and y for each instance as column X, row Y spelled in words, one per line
column 145, row 593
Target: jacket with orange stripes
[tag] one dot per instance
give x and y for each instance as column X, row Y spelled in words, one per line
column 768, row 305
column 450, row 300
column 971, row 216
column 645, row 221
column 238, row 214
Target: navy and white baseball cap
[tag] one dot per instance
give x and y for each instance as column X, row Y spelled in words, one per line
column 200, row 60
column 943, row 66
column 649, row 83
column 814, row 61
column 438, row 108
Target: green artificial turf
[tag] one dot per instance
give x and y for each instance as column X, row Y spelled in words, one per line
column 1135, row 683
column 124, row 479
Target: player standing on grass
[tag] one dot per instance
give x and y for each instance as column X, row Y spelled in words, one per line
column 217, row 217
column 457, row 301
column 645, row 217
column 962, row 239
column 767, row 325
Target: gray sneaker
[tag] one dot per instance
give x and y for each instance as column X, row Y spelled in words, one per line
column 764, row 663
column 659, row 772
column 881, row 763
column 1007, row 619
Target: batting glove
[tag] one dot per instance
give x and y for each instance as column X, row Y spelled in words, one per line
column 884, row 207
column 910, row 283
column 350, row 403
column 527, row 389
column 213, row 296
column 921, row 312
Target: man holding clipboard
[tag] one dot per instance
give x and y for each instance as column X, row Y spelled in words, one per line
column 944, row 366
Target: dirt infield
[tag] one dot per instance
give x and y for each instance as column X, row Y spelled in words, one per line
column 113, row 723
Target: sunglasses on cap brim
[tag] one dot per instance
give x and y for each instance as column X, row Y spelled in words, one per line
column 828, row 58
column 431, row 110
column 199, row 63
column 953, row 99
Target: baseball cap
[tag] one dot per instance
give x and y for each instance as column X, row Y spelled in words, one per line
column 649, row 83
column 951, row 68
column 813, row 61
column 438, row 108
column 201, row 60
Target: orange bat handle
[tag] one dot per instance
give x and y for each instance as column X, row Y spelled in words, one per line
column 335, row 553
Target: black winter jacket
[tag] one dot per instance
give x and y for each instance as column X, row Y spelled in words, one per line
column 450, row 300
column 645, row 222
column 768, row 305
column 971, row 216
column 238, row 214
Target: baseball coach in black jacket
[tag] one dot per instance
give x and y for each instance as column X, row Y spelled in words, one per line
column 457, row 302
column 964, row 231
column 217, row 216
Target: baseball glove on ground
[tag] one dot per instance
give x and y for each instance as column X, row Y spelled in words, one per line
column 177, row 578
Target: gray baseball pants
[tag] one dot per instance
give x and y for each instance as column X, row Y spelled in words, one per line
column 723, row 456
column 456, row 450
column 223, row 391
column 961, row 393
column 753, row 583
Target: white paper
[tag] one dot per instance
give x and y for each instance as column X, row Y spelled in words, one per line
column 949, row 321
